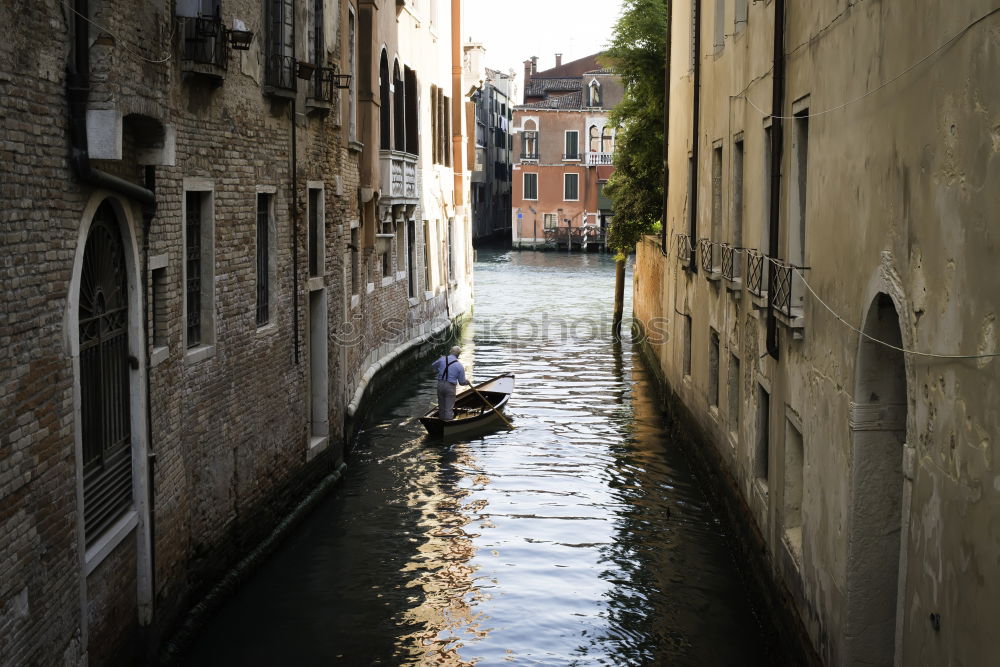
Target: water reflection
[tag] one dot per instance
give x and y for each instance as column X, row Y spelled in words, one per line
column 581, row 537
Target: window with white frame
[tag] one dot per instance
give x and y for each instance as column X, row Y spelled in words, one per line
column 549, row 220
column 571, row 187
column 594, row 94
column 531, row 186
column 572, row 145
column 199, row 265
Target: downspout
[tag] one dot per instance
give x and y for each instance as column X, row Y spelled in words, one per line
column 148, row 211
column 666, row 131
column 695, row 129
column 777, row 142
column 77, row 94
column 295, row 240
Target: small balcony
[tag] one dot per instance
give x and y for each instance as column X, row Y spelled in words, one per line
column 756, row 276
column 399, row 177
column 787, row 295
column 571, row 157
column 685, row 251
column 731, row 269
column 322, row 89
column 206, row 48
column 529, row 157
column 598, row 159
column 707, row 256
column 279, row 75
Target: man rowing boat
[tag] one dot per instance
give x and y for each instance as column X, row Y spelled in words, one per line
column 450, row 373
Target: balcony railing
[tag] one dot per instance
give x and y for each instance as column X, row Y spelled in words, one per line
column 756, row 272
column 730, row 262
column 279, row 72
column 206, row 43
column 781, row 283
column 706, row 251
column 399, row 176
column 595, row 159
column 685, row 252
column 323, row 85
column 529, row 156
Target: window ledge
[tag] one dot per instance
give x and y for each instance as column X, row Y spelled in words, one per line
column 400, row 275
column 109, row 541
column 267, row 329
column 388, row 280
column 317, row 445
column 414, row 301
column 355, row 300
column 158, row 355
column 759, row 301
column 355, row 146
column 198, row 354
column 370, row 287
column 428, row 295
column 735, row 285
column 797, row 321
column 315, row 283
column 713, row 275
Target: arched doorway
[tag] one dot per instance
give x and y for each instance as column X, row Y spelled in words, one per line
column 105, row 415
column 878, row 425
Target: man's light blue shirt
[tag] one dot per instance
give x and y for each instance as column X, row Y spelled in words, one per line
column 456, row 371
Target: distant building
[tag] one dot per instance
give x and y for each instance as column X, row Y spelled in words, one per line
column 491, row 155
column 563, row 154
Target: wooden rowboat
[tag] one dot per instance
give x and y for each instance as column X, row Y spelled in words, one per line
column 472, row 415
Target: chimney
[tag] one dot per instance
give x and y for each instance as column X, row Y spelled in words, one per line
column 527, row 70
column 558, row 59
column 534, row 64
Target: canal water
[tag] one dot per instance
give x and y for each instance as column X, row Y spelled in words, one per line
column 582, row 537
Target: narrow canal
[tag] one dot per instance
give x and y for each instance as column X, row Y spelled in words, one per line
column 581, row 537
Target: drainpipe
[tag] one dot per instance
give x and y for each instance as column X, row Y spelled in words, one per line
column 77, row 93
column 666, row 131
column 695, row 129
column 777, row 141
column 295, row 240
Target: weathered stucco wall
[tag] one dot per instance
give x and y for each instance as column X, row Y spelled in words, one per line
column 843, row 449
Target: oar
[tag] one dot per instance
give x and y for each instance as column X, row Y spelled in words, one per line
column 499, row 414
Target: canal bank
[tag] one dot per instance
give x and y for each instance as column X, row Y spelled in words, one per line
column 783, row 633
column 581, row 537
column 396, row 360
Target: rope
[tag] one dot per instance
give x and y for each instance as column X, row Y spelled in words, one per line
column 882, row 342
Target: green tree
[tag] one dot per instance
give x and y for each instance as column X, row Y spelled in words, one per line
column 637, row 53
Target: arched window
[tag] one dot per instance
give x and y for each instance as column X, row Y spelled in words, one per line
column 595, row 140
column 104, row 376
column 385, row 103
column 595, row 93
column 529, row 141
column 399, row 107
column 607, row 141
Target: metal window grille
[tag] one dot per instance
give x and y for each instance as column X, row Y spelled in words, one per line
column 781, row 283
column 263, row 257
column 279, row 64
column 104, row 378
column 707, row 249
column 755, row 272
column 206, row 41
column 192, row 287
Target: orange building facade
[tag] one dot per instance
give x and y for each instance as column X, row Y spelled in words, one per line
column 563, row 148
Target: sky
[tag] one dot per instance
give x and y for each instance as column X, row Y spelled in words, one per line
column 514, row 30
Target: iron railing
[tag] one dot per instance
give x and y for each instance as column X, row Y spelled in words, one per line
column 756, row 262
column 730, row 262
column 206, row 42
column 279, row 71
column 781, row 283
column 706, row 251
column 323, row 85
column 685, row 252
column 529, row 156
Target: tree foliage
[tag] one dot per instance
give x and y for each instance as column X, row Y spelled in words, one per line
column 637, row 53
